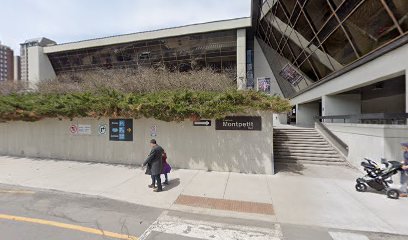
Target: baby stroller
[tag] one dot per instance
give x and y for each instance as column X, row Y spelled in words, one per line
column 379, row 178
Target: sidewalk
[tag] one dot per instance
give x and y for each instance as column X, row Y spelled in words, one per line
column 316, row 195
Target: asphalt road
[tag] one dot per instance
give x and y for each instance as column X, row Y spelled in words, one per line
column 33, row 214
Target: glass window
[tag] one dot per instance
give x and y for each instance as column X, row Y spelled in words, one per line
column 289, row 5
column 372, row 19
column 400, row 9
column 307, row 69
column 328, row 28
column 339, row 47
column 318, row 11
column 304, row 28
column 346, row 8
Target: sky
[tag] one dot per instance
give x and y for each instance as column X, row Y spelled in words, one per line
column 73, row 20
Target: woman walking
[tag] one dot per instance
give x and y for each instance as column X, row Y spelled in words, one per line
column 166, row 168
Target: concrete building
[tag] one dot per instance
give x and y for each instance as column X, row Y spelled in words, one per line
column 26, row 64
column 344, row 62
column 17, row 68
column 6, row 63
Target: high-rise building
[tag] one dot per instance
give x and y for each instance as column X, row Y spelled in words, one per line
column 17, row 68
column 24, row 54
column 6, row 63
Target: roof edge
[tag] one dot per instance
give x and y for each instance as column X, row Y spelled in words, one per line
column 220, row 25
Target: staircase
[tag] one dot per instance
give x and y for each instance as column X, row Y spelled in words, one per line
column 303, row 145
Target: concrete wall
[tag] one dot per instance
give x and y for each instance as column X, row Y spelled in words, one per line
column 389, row 104
column 343, row 104
column 262, row 69
column 371, row 140
column 241, row 59
column 305, row 114
column 187, row 146
column 39, row 66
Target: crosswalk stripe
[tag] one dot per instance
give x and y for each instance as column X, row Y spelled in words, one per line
column 347, row 236
column 211, row 230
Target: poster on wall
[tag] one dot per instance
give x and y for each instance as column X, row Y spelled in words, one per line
column 121, row 129
column 263, row 85
column 239, row 123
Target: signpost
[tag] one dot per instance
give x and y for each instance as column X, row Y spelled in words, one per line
column 205, row 123
column 121, row 129
column 241, row 123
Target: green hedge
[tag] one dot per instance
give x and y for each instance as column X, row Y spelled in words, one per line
column 166, row 106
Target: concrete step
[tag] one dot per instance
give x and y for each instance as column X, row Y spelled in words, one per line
column 296, row 135
column 294, row 131
column 277, row 164
column 303, row 154
column 304, row 150
column 300, row 158
column 300, row 142
column 279, row 138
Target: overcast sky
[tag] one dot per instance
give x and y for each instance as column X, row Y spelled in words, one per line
column 72, row 20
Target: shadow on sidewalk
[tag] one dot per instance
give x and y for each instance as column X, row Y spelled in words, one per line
column 172, row 184
column 291, row 168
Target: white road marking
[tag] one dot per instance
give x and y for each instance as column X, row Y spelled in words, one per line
column 211, row 230
column 347, row 236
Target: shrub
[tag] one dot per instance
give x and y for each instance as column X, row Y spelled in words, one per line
column 163, row 105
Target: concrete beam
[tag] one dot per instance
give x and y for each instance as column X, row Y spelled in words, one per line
column 164, row 33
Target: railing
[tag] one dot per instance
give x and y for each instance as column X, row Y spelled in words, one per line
column 368, row 118
column 336, row 141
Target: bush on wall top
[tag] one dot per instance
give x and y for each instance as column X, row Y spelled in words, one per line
column 164, row 105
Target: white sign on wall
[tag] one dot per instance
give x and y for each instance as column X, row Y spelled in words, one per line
column 84, row 129
column 153, row 131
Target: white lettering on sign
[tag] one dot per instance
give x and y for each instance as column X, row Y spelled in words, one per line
column 238, row 124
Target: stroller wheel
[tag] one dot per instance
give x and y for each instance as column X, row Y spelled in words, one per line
column 393, row 193
column 361, row 187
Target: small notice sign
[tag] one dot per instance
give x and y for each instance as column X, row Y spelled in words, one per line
column 102, row 129
column 84, row 129
column 204, row 123
column 241, row 123
column 121, row 129
column 73, row 129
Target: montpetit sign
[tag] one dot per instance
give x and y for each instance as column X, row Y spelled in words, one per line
column 243, row 123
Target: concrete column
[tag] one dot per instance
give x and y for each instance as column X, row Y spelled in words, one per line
column 241, row 59
column 305, row 114
column 344, row 104
column 406, row 90
column 39, row 66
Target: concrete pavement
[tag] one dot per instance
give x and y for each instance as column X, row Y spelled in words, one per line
column 315, row 196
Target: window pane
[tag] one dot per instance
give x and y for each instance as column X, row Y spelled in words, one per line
column 338, row 47
column 400, row 10
column 318, row 11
